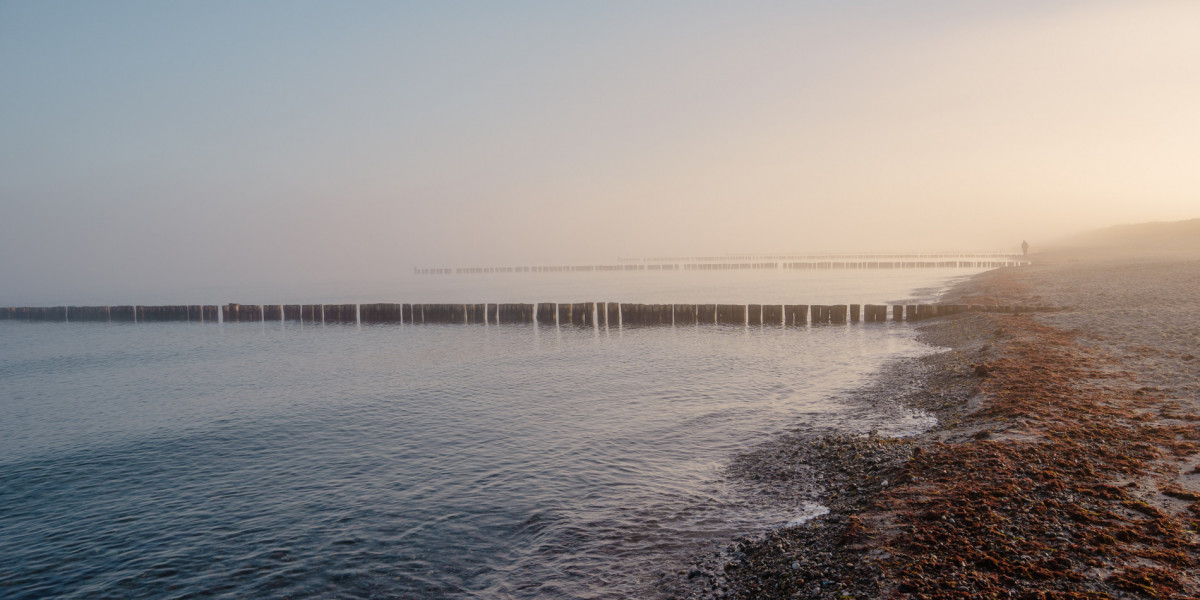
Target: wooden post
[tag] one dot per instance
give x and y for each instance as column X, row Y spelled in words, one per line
column 837, row 314
column 292, row 312
column 310, row 313
column 564, row 313
column 772, row 314
column 632, row 314
column 871, row 313
column 476, row 313
column 512, row 314
column 384, row 313
column 546, row 313
column 855, row 313
column 754, row 314
column 686, row 314
column 342, row 313
column 820, row 314
column 581, row 314
column 731, row 314
column 795, row 315
column 925, row 311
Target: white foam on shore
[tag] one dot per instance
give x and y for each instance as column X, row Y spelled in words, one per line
column 812, row 511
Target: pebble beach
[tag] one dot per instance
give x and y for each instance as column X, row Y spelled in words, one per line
column 1065, row 462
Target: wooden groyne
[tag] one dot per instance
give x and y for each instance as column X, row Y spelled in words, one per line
column 990, row 263
column 579, row 314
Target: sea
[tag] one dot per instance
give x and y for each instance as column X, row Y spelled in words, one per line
column 300, row 460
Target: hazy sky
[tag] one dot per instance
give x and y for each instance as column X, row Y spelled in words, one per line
column 155, row 143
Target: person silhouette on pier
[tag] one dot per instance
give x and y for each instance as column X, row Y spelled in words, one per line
column 1024, row 248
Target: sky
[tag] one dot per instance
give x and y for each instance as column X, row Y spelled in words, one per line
column 157, row 145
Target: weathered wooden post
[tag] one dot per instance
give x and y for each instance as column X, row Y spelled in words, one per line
column 384, row 313
column 837, row 314
column 582, row 313
column 754, row 314
column 772, row 314
column 871, row 313
column 546, row 313
column 473, row 314
column 310, row 313
column 612, row 317
column 367, row 313
column 855, row 313
column 341, row 313
column 925, row 311
column 291, row 312
column 662, row 314
column 654, row 314
column 706, row 314
column 565, row 311
column 631, row 314
column 820, row 314
column 512, row 314
column 898, row 311
column 795, row 315
column 731, row 314
column 685, row 314
column 435, row 314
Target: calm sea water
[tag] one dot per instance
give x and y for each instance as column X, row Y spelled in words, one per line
column 275, row 460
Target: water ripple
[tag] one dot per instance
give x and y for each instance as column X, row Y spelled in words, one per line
column 342, row 462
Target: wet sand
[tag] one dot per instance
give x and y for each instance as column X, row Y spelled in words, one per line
column 1064, row 463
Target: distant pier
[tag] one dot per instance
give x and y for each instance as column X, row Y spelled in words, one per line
column 579, row 314
column 977, row 260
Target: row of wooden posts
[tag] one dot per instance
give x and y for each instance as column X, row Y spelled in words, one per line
column 583, row 314
column 724, row 266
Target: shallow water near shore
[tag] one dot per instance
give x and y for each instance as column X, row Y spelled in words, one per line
column 274, row 460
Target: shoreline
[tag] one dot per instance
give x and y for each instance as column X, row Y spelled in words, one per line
column 1052, row 471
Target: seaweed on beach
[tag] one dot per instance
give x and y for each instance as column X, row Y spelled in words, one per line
column 1062, row 477
column 1058, row 503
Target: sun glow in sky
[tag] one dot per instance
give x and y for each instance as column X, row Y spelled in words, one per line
column 148, row 144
